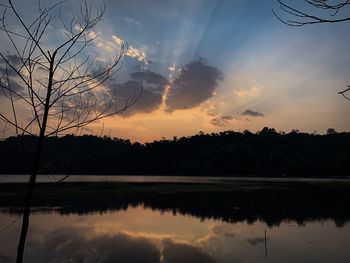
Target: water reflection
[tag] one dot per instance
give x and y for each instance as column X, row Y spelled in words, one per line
column 73, row 245
column 272, row 206
column 302, row 224
column 140, row 234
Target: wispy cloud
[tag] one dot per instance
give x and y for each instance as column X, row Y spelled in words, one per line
column 118, row 41
column 222, row 121
column 251, row 92
column 109, row 44
column 138, row 53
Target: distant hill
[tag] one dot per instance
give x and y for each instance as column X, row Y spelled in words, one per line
column 266, row 153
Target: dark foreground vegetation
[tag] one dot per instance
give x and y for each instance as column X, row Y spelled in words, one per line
column 266, row 153
column 272, row 203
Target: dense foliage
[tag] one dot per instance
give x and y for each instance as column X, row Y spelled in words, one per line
column 266, row 153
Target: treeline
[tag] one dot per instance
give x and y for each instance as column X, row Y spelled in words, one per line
column 266, row 153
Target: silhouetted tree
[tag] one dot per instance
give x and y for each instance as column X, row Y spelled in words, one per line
column 331, row 131
column 315, row 12
column 52, row 90
column 229, row 153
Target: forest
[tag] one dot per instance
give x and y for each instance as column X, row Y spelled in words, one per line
column 266, row 153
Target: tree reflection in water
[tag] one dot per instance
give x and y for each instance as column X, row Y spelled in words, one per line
column 302, row 223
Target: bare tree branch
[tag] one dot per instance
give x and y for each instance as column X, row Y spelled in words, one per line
column 53, row 91
column 324, row 11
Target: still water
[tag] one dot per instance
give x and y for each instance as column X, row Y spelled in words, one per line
column 158, row 179
column 140, row 234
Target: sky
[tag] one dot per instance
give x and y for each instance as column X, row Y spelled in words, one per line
column 213, row 65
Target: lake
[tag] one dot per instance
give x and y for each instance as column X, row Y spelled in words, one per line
column 217, row 220
column 141, row 234
column 157, row 179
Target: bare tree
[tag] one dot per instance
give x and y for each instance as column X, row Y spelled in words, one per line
column 50, row 91
column 314, row 12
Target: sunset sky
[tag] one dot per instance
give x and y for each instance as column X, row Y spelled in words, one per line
column 215, row 65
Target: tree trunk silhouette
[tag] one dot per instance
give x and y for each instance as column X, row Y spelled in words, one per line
column 27, row 202
column 32, row 179
column 60, row 88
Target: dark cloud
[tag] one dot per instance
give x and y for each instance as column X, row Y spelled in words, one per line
column 175, row 253
column 252, row 113
column 149, row 77
column 221, row 121
column 15, row 87
column 217, row 122
column 151, row 98
column 11, row 85
column 14, row 59
column 127, row 89
column 4, row 71
column 195, row 84
column 71, row 245
column 149, row 101
column 7, row 71
column 256, row 240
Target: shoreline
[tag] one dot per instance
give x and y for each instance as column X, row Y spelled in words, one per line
column 22, row 178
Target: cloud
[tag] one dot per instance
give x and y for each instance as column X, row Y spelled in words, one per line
column 132, row 20
column 222, row 121
column 175, row 252
column 256, row 240
column 71, row 245
column 194, row 85
column 150, row 77
column 129, row 90
column 12, row 82
column 252, row 113
column 224, row 230
column 83, row 244
column 4, row 71
column 13, row 59
column 151, row 98
column 172, row 68
column 118, row 41
column 108, row 45
column 43, row 69
column 14, row 87
column 250, row 93
column 137, row 53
